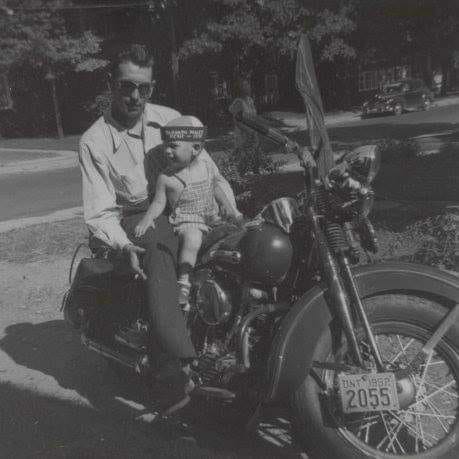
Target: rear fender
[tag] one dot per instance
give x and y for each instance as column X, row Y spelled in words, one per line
column 294, row 344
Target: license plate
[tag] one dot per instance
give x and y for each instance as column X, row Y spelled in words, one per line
column 368, row 392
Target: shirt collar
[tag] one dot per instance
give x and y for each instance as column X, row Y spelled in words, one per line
column 117, row 131
column 151, row 123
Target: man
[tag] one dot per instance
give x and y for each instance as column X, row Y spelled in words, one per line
column 120, row 158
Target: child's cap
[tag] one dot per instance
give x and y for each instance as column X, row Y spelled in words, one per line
column 184, row 128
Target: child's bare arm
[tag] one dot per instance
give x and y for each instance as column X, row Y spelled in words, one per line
column 222, row 199
column 156, row 207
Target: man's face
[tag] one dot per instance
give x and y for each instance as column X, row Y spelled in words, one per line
column 131, row 89
column 180, row 153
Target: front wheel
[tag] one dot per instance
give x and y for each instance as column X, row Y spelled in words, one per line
column 426, row 424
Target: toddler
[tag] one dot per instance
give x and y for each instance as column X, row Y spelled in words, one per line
column 188, row 185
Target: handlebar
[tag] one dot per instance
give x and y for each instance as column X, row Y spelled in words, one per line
column 277, row 137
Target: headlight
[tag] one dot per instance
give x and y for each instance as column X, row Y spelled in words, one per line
column 363, row 163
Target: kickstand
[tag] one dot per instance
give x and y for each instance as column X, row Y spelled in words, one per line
column 252, row 424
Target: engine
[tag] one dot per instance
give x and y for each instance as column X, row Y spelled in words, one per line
column 212, row 301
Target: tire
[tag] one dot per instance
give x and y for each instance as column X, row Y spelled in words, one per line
column 407, row 315
column 398, row 109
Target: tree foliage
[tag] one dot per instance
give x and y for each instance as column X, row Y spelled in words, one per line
column 393, row 29
column 245, row 30
column 35, row 32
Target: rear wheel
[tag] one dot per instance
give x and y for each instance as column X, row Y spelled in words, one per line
column 426, row 424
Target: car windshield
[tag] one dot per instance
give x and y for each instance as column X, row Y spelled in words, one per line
column 393, row 88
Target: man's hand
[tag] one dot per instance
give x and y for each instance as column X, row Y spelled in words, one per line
column 143, row 225
column 132, row 253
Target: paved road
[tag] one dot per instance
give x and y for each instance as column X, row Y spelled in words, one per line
column 33, row 194
column 41, row 193
column 447, row 114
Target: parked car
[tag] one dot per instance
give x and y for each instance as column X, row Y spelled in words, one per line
column 410, row 94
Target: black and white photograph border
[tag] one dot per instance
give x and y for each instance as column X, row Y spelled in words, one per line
column 280, row 281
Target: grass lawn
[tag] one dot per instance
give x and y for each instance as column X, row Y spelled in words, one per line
column 41, row 242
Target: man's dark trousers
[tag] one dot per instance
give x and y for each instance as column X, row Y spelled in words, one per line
column 159, row 263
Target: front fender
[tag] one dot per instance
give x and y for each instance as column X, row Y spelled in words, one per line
column 294, row 344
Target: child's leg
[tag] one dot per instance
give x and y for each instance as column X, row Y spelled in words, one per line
column 190, row 243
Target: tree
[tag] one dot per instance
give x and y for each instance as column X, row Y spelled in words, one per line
column 176, row 20
column 247, row 30
column 393, row 29
column 36, row 36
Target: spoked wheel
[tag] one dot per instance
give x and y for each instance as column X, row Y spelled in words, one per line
column 425, row 425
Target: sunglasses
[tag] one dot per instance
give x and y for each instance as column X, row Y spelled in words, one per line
column 127, row 87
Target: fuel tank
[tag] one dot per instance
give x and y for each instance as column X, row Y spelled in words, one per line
column 266, row 254
column 261, row 253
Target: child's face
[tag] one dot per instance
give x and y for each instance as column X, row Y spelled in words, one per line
column 180, row 153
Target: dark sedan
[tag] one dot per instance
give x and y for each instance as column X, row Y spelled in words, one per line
column 399, row 97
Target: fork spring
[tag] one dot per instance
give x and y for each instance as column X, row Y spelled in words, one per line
column 335, row 237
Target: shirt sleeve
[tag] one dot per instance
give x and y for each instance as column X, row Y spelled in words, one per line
column 101, row 213
column 218, row 177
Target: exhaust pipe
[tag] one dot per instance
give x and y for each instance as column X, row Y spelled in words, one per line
column 138, row 363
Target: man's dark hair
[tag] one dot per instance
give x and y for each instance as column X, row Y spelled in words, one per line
column 135, row 53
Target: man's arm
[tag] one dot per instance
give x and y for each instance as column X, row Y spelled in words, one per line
column 156, row 207
column 101, row 213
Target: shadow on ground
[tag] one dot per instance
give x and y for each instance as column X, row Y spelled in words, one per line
column 39, row 426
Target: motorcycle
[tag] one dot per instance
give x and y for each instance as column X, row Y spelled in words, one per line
column 293, row 308
column 365, row 356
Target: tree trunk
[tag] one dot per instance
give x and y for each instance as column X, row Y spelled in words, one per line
column 57, row 113
column 174, row 58
column 445, row 69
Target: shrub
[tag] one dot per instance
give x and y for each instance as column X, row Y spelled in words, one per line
column 430, row 242
column 398, row 151
column 242, row 170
